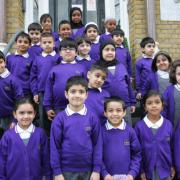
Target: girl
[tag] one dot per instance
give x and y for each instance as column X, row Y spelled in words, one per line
column 76, row 22
column 159, row 78
column 155, row 136
column 172, row 94
column 118, row 80
column 24, row 151
column 92, row 33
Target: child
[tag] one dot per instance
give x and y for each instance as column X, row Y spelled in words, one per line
column 24, row 150
column 121, row 148
column 76, row 22
column 76, row 144
column 46, row 23
column 143, row 64
column 19, row 64
column 118, row 80
column 92, row 33
column 34, row 31
column 64, row 32
column 10, row 90
column 110, row 26
column 83, row 57
column 54, row 98
column 172, row 94
column 155, row 136
column 159, row 78
column 122, row 53
column 41, row 65
column 96, row 94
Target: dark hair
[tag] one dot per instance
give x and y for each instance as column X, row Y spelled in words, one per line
column 2, row 56
column 150, row 94
column 145, row 41
column 80, row 40
column 47, row 34
column 68, row 42
column 63, row 22
column 160, row 53
column 172, row 74
column 25, row 100
column 76, row 80
column 96, row 66
column 75, row 25
column 89, row 26
column 114, row 99
column 118, row 32
column 23, row 35
column 44, row 17
column 35, row 26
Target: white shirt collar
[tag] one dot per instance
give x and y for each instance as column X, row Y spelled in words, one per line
column 107, row 33
column 155, row 125
column 60, row 39
column 100, row 89
column 70, row 112
column 122, row 126
column 97, row 40
column 120, row 46
column 163, row 74
column 53, row 53
column 26, row 55
column 146, row 57
column 37, row 44
column 177, row 86
column 79, row 58
column 5, row 74
column 72, row 62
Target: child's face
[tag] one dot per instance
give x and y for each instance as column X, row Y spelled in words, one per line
column 108, row 53
column 47, row 44
column 65, row 31
column 24, row 115
column 96, row 78
column 110, row 25
column 118, row 39
column 162, row 63
column 153, row 105
column 178, row 74
column 46, row 24
column 35, row 36
column 114, row 113
column 2, row 65
column 76, row 96
column 84, row 48
column 92, row 34
column 76, row 16
column 68, row 54
column 148, row 50
column 22, row 45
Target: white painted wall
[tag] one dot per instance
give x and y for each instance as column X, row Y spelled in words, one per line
column 43, row 7
column 109, row 8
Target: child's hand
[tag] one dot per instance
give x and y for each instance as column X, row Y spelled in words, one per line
column 51, row 114
column 139, row 96
column 143, row 176
column 173, row 172
column 129, row 177
column 108, row 177
column 59, row 177
column 36, row 99
column 133, row 108
column 95, row 176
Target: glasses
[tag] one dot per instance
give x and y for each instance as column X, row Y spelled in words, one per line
column 68, row 49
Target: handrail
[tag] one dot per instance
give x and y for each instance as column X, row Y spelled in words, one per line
column 11, row 42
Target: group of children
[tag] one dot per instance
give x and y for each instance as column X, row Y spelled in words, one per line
column 81, row 83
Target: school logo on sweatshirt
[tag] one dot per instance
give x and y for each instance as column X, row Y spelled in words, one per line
column 7, row 88
column 168, row 138
column 126, row 142
column 78, row 72
column 88, row 129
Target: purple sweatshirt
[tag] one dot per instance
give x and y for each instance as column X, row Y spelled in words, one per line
column 95, row 51
column 104, row 37
column 19, row 161
column 76, row 143
column 35, row 50
column 78, row 33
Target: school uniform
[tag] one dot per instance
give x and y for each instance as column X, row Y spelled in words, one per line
column 76, row 144
column 20, row 66
column 55, row 36
column 156, row 145
column 54, row 98
column 105, row 36
column 95, row 49
column 121, row 150
column 35, row 50
column 77, row 32
column 57, row 44
column 24, row 154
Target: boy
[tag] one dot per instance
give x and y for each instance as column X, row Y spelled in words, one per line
column 76, row 148
column 54, row 98
column 34, row 31
column 41, row 65
column 10, row 90
column 96, row 95
column 121, row 148
column 143, row 64
column 19, row 64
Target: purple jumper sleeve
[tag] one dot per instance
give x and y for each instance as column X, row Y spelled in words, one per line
column 138, row 76
column 129, row 63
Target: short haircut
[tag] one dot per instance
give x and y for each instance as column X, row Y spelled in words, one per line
column 118, row 32
column 76, row 80
column 172, row 74
column 23, row 35
column 35, row 26
column 44, row 17
column 2, row 56
column 63, row 22
column 114, row 99
column 160, row 53
column 145, row 41
column 96, row 66
column 81, row 40
column 47, row 34
column 68, row 42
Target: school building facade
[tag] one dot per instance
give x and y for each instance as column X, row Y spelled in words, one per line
column 159, row 19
